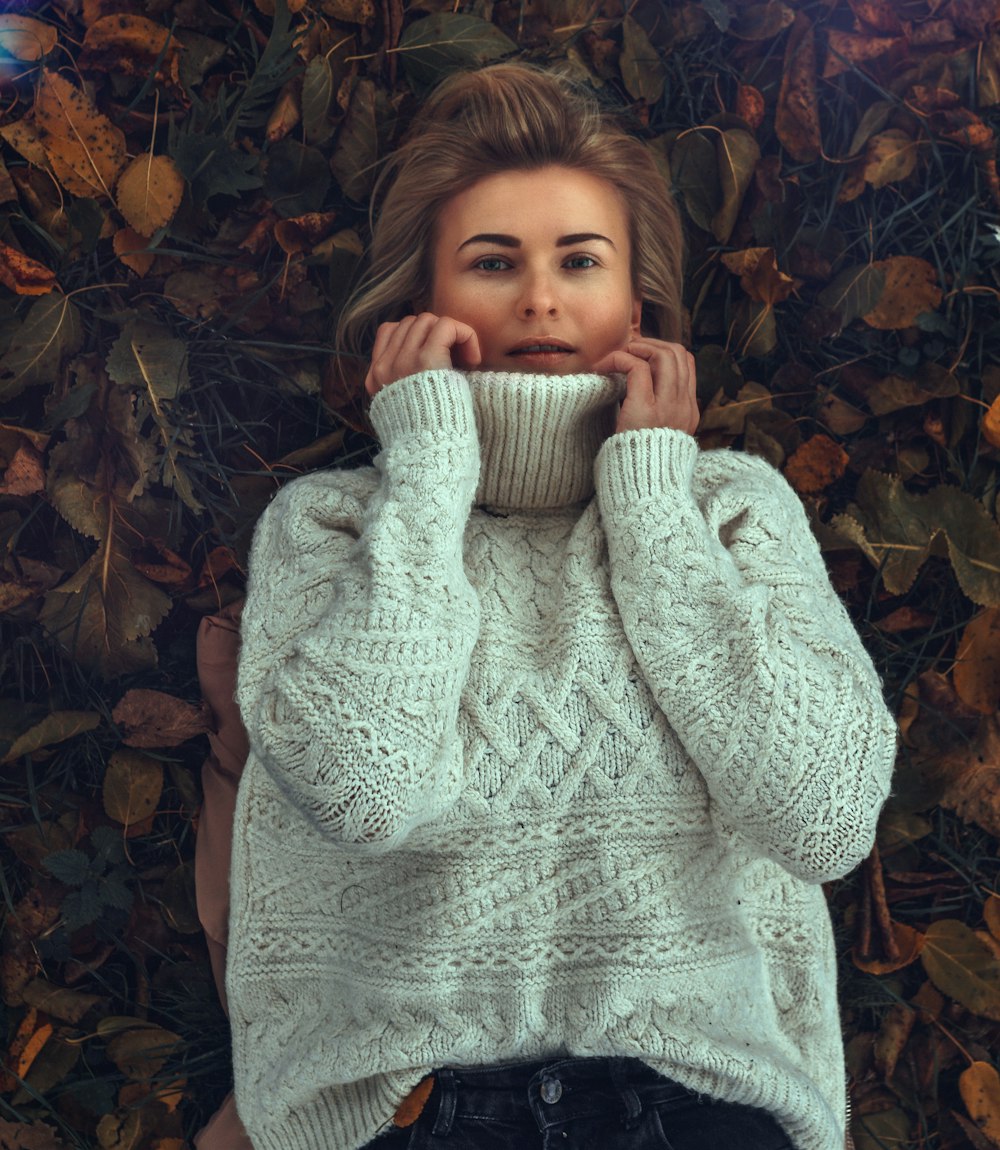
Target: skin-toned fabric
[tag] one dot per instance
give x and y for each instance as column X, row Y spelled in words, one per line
column 217, row 649
column 559, row 778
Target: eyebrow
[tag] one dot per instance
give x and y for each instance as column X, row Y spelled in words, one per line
column 502, row 241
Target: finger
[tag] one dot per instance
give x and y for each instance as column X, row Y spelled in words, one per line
column 465, row 351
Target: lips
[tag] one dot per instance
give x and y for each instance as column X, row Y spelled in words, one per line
column 541, row 345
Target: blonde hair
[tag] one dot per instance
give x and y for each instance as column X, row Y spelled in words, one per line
column 505, row 117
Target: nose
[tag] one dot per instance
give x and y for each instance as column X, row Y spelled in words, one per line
column 539, row 296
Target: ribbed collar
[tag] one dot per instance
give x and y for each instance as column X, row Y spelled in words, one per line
column 539, row 436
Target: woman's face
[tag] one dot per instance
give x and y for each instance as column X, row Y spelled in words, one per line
column 538, row 263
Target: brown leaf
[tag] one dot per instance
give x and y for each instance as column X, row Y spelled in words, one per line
column 133, row 783
column 911, row 289
column 851, row 48
column 896, row 1028
column 905, row 619
column 909, row 943
column 29, row 1136
column 149, row 193
column 977, row 662
column 971, row 773
column 25, row 38
column 979, row 1085
column 962, row 967
column 103, row 614
column 24, row 473
column 759, row 275
column 797, row 116
column 287, row 112
column 131, row 45
column 750, row 105
column 155, row 719
column 141, row 1050
column 24, row 275
column 816, row 464
column 303, row 233
column 86, row 151
column 879, row 15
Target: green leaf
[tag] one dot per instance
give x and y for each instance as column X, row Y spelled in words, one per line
column 51, row 331
column 278, row 63
column 148, row 357
column 353, row 163
column 738, row 153
column 643, row 72
column 317, row 95
column 213, row 166
column 297, row 178
column 963, row 967
column 856, row 291
column 694, row 163
column 104, row 613
column 447, row 42
column 71, row 867
column 899, row 530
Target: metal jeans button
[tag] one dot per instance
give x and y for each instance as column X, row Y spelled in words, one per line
column 551, row 1090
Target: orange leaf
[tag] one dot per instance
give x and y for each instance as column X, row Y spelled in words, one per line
column 24, row 275
column 991, row 423
column 910, row 943
column 149, row 192
column 130, row 45
column 412, row 1105
column 979, row 1085
column 32, row 1049
column 797, row 116
column 86, row 151
column 911, row 289
column 816, row 464
column 130, row 248
column 977, row 662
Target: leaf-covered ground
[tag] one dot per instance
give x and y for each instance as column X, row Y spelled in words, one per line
column 184, row 191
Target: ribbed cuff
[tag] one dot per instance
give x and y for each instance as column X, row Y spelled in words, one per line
column 438, row 401
column 634, row 465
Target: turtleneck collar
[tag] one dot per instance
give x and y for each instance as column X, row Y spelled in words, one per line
column 539, row 436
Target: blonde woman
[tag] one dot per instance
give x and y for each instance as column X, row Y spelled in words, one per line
column 556, row 724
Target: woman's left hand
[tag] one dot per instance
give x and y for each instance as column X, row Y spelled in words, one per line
column 660, row 381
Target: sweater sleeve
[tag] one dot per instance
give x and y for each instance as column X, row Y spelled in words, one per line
column 360, row 622
column 750, row 653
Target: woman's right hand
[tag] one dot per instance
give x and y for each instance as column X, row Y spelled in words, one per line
column 419, row 343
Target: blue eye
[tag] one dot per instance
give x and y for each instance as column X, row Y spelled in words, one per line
column 495, row 262
column 574, row 262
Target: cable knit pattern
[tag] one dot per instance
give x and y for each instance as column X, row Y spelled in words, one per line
column 554, row 734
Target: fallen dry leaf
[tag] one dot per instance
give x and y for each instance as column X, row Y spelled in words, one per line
column 911, row 289
column 797, row 115
column 816, row 464
column 977, row 662
column 156, row 719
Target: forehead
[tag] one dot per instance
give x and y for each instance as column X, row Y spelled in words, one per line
column 546, row 202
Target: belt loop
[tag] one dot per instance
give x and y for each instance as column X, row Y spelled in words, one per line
column 446, row 1107
column 633, row 1106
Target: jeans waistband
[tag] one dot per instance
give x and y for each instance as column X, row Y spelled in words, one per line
column 552, row 1091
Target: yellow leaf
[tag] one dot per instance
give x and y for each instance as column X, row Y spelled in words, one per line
column 149, row 193
column 891, row 156
column 979, row 1085
column 133, row 783
column 962, row 966
column 25, row 38
column 23, row 138
column 86, row 151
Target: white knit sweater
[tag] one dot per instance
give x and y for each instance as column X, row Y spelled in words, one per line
column 563, row 781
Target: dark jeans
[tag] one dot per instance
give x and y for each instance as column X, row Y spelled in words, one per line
column 577, row 1104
